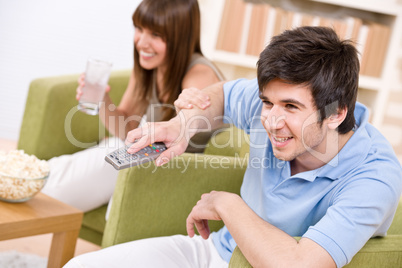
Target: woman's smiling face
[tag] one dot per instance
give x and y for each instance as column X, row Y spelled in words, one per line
column 151, row 48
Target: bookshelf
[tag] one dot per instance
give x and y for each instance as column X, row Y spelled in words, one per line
column 375, row 27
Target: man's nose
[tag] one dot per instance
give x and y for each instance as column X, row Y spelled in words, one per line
column 275, row 119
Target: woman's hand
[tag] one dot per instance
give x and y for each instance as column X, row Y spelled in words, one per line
column 191, row 97
column 81, row 84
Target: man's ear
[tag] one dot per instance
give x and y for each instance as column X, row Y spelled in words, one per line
column 334, row 120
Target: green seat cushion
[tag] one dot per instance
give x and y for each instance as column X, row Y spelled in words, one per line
column 93, row 225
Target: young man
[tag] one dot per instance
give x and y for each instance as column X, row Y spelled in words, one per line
column 337, row 183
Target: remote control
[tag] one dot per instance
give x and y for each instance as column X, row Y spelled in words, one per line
column 120, row 159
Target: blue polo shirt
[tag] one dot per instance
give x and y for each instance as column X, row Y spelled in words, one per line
column 339, row 206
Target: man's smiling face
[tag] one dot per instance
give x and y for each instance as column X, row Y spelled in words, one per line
column 291, row 120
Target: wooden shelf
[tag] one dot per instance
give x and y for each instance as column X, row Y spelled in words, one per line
column 235, row 59
column 371, row 83
column 386, row 7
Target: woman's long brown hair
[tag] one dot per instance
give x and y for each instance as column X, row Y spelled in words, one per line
column 178, row 22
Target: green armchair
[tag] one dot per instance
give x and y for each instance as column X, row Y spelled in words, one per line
column 152, row 201
column 52, row 126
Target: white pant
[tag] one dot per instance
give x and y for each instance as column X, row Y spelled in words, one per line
column 84, row 179
column 172, row 251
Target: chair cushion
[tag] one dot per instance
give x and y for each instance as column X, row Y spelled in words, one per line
column 93, row 225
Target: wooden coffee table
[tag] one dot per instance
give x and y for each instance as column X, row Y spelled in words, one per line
column 40, row 215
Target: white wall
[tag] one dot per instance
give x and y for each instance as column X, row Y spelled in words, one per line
column 43, row 38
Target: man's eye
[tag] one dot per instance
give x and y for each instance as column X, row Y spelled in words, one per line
column 291, row 106
column 267, row 103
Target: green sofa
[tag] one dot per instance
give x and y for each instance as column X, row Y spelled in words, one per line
column 154, row 201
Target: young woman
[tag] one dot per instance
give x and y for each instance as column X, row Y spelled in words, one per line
column 167, row 59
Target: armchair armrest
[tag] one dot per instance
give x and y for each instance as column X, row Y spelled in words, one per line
column 377, row 252
column 154, row 201
column 52, row 125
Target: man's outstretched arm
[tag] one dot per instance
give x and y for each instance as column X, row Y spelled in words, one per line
column 177, row 132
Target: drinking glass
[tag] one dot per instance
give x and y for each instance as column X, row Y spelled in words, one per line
column 96, row 78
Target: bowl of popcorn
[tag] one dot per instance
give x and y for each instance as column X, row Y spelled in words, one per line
column 22, row 176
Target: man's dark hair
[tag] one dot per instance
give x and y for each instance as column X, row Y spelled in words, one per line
column 315, row 56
